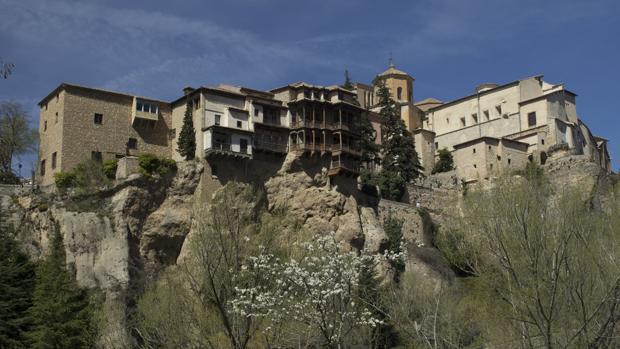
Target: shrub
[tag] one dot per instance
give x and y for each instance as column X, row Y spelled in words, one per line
column 109, row 168
column 65, row 179
column 89, row 174
column 151, row 164
column 8, row 177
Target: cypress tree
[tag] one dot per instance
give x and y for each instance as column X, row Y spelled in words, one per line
column 16, row 285
column 445, row 163
column 187, row 138
column 370, row 150
column 383, row 335
column 400, row 162
column 61, row 312
column 347, row 81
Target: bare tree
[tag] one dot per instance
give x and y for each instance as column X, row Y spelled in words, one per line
column 6, row 68
column 553, row 261
column 16, row 136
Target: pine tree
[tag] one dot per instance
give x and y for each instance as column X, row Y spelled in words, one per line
column 16, row 285
column 347, row 81
column 61, row 312
column 187, row 138
column 400, row 162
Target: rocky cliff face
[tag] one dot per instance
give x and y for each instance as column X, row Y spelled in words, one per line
column 123, row 237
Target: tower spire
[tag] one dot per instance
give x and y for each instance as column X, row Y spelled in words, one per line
column 391, row 60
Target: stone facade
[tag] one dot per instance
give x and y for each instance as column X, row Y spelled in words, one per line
column 99, row 125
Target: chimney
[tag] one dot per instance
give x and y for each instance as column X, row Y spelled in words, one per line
column 187, row 90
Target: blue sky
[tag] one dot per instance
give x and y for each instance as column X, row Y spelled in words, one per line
column 155, row 48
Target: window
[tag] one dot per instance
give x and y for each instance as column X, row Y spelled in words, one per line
column 56, row 120
column 243, row 144
column 489, row 148
column 239, row 124
column 139, row 106
column 96, row 155
column 508, row 161
column 42, row 169
column 436, row 145
column 498, row 108
column 499, row 158
column 256, row 111
column 45, row 106
column 132, row 143
column 475, row 166
column 486, row 115
column 399, row 93
column 196, row 103
column 45, row 125
column 447, row 120
column 307, row 94
column 218, row 117
column 531, row 119
column 463, row 121
column 474, row 150
column 474, row 118
column 98, row 119
column 542, row 141
column 53, row 160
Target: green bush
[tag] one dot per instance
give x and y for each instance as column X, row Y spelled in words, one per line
column 151, row 164
column 109, row 168
column 8, row 177
column 445, row 163
column 65, row 179
column 89, row 174
column 392, row 185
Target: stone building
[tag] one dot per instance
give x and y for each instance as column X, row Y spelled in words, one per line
column 523, row 119
column 78, row 123
column 529, row 111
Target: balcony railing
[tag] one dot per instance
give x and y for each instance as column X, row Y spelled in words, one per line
column 350, row 166
column 226, row 148
column 347, row 149
column 272, row 146
column 310, row 147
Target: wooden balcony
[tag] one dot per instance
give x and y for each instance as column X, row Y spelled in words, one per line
column 344, row 148
column 270, row 146
column 346, row 167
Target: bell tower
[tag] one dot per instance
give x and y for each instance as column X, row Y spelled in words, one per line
column 399, row 83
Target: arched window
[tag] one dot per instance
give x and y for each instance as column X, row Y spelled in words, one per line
column 399, row 93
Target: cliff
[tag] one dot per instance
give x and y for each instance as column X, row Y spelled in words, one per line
column 120, row 238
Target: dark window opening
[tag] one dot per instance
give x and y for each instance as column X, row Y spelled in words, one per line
column 399, row 93
column 96, row 155
column 256, row 111
column 531, row 119
column 98, row 119
column 217, row 119
column 508, row 161
column 45, row 125
column 542, row 141
column 243, row 144
column 239, row 124
column 56, row 120
column 474, row 150
column 53, row 160
column 132, row 143
column 42, row 169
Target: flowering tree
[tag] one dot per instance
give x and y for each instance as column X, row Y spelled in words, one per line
column 318, row 290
